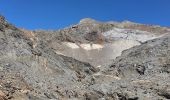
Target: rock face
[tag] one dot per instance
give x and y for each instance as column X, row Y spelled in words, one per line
column 88, row 61
column 145, row 68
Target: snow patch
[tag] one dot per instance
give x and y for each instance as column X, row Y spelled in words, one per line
column 71, row 45
column 57, row 52
column 83, row 46
column 129, row 34
column 91, row 46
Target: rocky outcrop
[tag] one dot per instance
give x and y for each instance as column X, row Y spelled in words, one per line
column 143, row 68
column 30, row 72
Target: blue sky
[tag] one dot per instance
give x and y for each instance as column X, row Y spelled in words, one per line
column 57, row 14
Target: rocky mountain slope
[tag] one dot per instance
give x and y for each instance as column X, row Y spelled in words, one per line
column 88, row 61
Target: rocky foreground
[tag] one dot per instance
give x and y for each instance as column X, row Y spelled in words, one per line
column 87, row 61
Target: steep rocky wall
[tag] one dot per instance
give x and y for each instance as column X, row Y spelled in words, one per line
column 28, row 72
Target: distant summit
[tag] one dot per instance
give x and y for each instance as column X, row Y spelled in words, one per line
column 87, row 21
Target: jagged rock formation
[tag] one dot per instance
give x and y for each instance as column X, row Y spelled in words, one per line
column 88, row 61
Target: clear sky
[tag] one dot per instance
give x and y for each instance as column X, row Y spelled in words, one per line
column 57, row 14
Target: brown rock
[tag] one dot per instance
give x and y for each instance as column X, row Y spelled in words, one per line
column 2, row 96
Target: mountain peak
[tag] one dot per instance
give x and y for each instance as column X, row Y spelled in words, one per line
column 87, row 21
